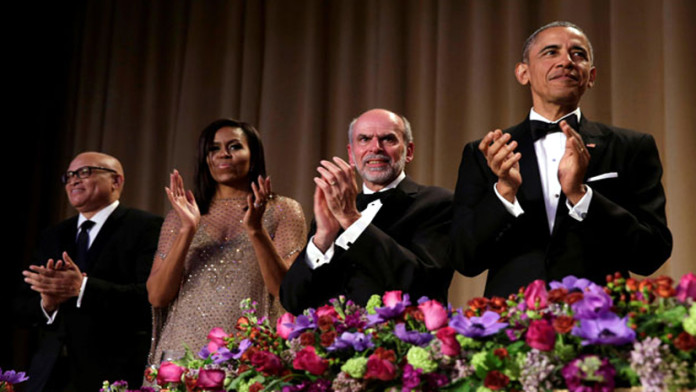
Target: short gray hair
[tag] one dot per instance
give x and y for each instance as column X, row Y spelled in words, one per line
column 407, row 133
column 559, row 23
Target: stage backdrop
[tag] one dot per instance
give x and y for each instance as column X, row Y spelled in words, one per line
column 140, row 79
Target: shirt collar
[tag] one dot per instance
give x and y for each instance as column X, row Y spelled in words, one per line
column 391, row 185
column 100, row 217
column 533, row 115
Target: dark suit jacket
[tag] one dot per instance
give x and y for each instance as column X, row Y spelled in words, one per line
column 108, row 336
column 625, row 228
column 404, row 248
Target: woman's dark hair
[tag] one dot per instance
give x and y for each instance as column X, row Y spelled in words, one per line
column 205, row 185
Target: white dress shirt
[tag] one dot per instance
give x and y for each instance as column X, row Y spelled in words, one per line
column 549, row 151
column 315, row 258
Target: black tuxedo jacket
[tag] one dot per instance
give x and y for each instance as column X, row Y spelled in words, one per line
column 108, row 337
column 404, row 248
column 625, row 228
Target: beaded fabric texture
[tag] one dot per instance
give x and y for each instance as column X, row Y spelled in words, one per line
column 221, row 270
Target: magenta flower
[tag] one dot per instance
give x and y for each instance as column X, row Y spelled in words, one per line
column 410, row 378
column 589, row 374
column 535, row 295
column 284, row 325
column 687, row 287
column 394, row 305
column 414, row 337
column 434, row 313
column 217, row 339
column 211, row 379
column 169, row 372
column 608, row 328
column 541, row 335
column 476, row 327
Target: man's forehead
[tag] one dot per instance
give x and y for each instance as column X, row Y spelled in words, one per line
column 378, row 130
column 87, row 160
column 560, row 36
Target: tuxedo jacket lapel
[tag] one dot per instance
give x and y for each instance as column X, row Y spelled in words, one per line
column 105, row 235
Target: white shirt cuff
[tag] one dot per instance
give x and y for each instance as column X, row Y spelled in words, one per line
column 579, row 210
column 82, row 291
column 515, row 209
column 315, row 258
column 50, row 318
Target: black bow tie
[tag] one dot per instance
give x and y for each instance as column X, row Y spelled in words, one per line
column 541, row 128
column 364, row 199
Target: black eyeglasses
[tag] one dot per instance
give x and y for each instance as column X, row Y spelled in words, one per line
column 82, row 172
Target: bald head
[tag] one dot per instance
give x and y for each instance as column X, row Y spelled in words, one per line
column 101, row 183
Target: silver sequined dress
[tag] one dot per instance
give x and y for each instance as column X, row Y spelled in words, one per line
column 221, row 270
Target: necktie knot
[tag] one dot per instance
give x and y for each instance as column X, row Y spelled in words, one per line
column 542, row 128
column 86, row 226
column 364, row 199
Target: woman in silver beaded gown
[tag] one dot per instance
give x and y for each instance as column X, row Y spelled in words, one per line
column 233, row 240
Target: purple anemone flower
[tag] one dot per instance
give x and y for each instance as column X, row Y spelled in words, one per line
column 394, row 307
column 593, row 304
column 571, row 283
column 476, row 327
column 608, row 328
column 13, row 377
column 414, row 337
column 358, row 341
column 302, row 323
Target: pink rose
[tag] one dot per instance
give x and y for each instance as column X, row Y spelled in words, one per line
column 282, row 327
column 217, row 339
column 327, row 310
column 687, row 287
column 307, row 359
column 535, row 295
column 211, row 379
column 434, row 313
column 541, row 335
column 391, row 298
column 448, row 342
column 169, row 372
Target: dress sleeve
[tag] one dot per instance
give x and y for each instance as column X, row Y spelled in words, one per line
column 291, row 234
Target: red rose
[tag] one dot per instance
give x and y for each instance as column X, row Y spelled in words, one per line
column 210, row 378
column 496, row 380
column 685, row 341
column 256, row 387
column 414, row 312
column 325, row 322
column 307, row 359
column 169, row 372
column 557, row 296
column 497, row 304
column 282, row 328
column 563, row 324
column 380, row 365
column 573, row 297
column 448, row 342
column 267, row 363
column 327, row 338
column 435, row 314
column 478, row 303
column 664, row 287
column 535, row 295
column 501, row 352
column 150, row 374
column 307, row 338
column 327, row 310
column 541, row 335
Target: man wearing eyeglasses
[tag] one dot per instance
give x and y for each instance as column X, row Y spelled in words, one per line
column 88, row 285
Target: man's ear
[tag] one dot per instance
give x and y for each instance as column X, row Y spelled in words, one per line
column 409, row 151
column 593, row 77
column 522, row 73
column 351, row 161
column 118, row 181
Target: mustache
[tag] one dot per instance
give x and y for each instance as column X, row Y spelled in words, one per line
column 376, row 156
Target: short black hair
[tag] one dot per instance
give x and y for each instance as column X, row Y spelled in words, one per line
column 559, row 23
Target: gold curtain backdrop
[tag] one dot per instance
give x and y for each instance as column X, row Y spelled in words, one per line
column 144, row 77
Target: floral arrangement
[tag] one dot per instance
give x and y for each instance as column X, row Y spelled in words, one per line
column 9, row 378
column 572, row 334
